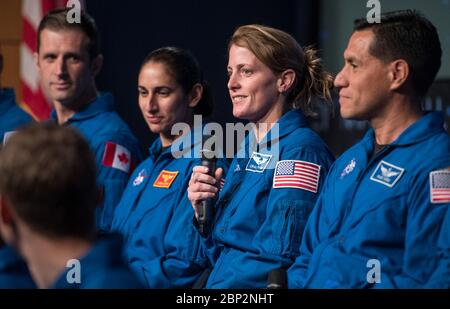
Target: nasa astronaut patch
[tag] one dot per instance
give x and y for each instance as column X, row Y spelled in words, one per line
column 140, row 178
column 258, row 162
column 387, row 174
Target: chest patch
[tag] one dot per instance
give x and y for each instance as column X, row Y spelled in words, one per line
column 165, row 179
column 387, row 174
column 258, row 162
column 140, row 178
column 349, row 168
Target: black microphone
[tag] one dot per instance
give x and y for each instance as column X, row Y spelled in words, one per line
column 277, row 279
column 207, row 208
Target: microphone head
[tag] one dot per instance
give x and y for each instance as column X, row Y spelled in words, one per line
column 207, row 152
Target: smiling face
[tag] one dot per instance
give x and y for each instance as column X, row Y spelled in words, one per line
column 363, row 82
column 66, row 70
column 253, row 87
column 162, row 100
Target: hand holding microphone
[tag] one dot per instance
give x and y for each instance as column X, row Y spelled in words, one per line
column 206, row 210
column 203, row 189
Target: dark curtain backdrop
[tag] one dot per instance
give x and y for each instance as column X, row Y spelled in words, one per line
column 131, row 29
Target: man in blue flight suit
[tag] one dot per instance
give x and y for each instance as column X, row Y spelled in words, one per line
column 11, row 115
column 47, row 210
column 377, row 221
column 68, row 59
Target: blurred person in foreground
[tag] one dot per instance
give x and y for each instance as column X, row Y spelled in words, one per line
column 47, row 211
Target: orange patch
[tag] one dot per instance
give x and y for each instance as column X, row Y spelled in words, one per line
column 165, row 179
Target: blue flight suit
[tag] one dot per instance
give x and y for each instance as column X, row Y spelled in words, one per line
column 100, row 124
column 441, row 275
column 14, row 272
column 11, row 115
column 155, row 218
column 258, row 227
column 374, row 224
column 101, row 268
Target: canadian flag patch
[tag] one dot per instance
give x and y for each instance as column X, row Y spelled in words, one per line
column 117, row 156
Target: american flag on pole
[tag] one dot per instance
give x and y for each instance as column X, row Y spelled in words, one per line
column 297, row 174
column 440, row 186
column 33, row 97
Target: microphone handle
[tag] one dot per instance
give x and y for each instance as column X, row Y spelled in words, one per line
column 277, row 279
column 206, row 211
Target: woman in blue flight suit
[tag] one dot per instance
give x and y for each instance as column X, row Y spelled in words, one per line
column 154, row 214
column 271, row 187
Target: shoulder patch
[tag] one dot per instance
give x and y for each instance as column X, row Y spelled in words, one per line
column 440, row 186
column 258, row 162
column 387, row 174
column 297, row 174
column 117, row 156
column 349, row 168
column 165, row 179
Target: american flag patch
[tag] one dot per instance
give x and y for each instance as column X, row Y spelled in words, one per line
column 297, row 174
column 440, row 186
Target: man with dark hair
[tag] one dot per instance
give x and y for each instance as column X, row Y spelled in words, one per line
column 68, row 58
column 47, row 210
column 377, row 221
column 407, row 35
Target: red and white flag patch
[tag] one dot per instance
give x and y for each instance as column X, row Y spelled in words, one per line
column 440, row 186
column 117, row 156
column 297, row 174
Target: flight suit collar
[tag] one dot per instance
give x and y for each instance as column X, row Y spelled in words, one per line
column 187, row 143
column 103, row 103
column 430, row 124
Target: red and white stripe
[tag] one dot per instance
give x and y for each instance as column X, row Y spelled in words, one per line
column 440, row 196
column 297, row 174
column 440, row 186
column 117, row 156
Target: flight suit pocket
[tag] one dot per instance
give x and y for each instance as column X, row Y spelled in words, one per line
column 289, row 219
